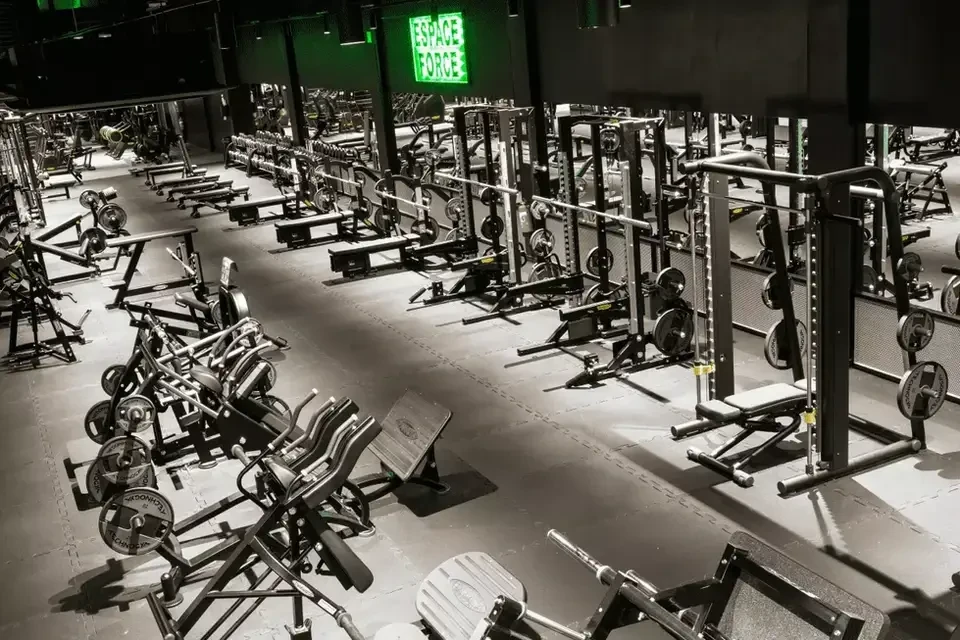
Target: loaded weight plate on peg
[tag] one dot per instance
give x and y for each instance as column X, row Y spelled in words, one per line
column 593, row 264
column 271, row 378
column 540, row 210
column 910, row 266
column 775, row 348
column 594, row 294
column 670, row 283
column 89, row 198
column 451, row 235
column 956, row 246
column 135, row 414
column 94, row 240
column 492, row 227
column 136, row 521
column 871, row 281
column 112, row 217
column 111, row 378
column 544, row 271
column 95, row 423
column 922, row 391
column 610, row 140
column 581, row 183
column 428, row 231
column 768, row 294
column 122, row 462
column 762, row 223
column 915, row 330
column 673, row 331
column 453, row 209
column 542, row 243
column 950, row 296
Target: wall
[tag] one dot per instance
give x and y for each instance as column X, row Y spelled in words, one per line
column 261, row 57
column 195, row 120
column 325, row 64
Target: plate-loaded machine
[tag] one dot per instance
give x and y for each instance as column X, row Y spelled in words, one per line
column 607, row 302
column 484, row 275
column 820, row 395
column 297, row 233
column 354, row 260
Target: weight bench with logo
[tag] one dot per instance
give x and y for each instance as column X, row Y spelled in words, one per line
column 218, row 199
column 248, row 213
column 405, row 447
column 296, row 233
column 757, row 411
column 139, row 242
column 354, row 260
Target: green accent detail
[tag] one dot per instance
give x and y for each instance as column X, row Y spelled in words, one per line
column 439, row 49
column 369, row 37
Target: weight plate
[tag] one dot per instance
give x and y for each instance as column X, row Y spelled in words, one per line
column 764, row 258
column 95, row 241
column 270, row 380
column 775, row 347
column 594, row 266
column 451, row 235
column 910, row 266
column 488, row 195
column 670, row 284
column 101, row 484
column 610, row 140
column 89, row 198
column 112, row 217
column 278, row 406
column 768, row 294
column 673, row 331
column 428, row 230
column 915, row 330
column 96, row 422
column 540, row 210
column 135, row 414
column 111, row 378
column 136, row 521
column 956, row 246
column 594, row 294
column 236, row 308
column 360, row 178
column 544, row 271
column 871, row 281
column 922, row 391
column 581, row 183
column 762, row 223
column 542, row 243
column 453, row 209
column 950, row 296
column 492, row 227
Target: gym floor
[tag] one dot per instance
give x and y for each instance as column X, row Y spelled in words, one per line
column 522, row 454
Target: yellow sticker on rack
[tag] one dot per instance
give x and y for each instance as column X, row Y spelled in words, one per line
column 703, row 369
column 810, row 417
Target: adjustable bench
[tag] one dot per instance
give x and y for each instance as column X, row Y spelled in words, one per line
column 200, row 175
column 139, row 242
column 757, row 410
column 182, row 193
column 354, row 260
column 296, row 233
column 248, row 213
column 218, row 199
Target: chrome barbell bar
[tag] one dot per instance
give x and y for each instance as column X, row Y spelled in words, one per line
column 339, row 179
column 642, row 224
column 387, row 194
column 482, row 185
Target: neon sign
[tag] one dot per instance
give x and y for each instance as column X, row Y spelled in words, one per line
column 439, row 49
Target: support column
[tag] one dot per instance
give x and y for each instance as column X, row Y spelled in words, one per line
column 720, row 320
column 293, row 94
column 382, row 95
column 240, row 104
column 525, row 68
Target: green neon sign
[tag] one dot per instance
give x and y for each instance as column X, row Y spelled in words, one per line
column 439, row 49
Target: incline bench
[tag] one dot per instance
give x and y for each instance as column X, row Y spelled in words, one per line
column 139, row 241
column 248, row 213
column 218, row 199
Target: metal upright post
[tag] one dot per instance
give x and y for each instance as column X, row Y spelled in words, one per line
column 382, row 96
column 293, row 94
column 719, row 283
column 510, row 121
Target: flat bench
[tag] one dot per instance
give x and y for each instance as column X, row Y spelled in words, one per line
column 354, row 259
column 295, row 233
column 153, row 174
column 200, row 175
column 139, row 241
column 218, row 199
column 142, row 169
column 248, row 213
column 182, row 193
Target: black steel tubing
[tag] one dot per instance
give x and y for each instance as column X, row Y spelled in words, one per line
column 804, row 482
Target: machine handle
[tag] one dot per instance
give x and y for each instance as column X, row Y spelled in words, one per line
column 346, row 623
column 187, row 269
column 280, row 439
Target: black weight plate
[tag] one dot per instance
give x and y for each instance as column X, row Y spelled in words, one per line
column 673, row 331
column 492, row 227
column 136, row 521
column 910, row 266
column 581, row 183
column 540, row 210
column 871, row 281
column 544, row 271
column 89, row 198
column 912, row 399
column 762, row 223
column 915, row 330
column 950, row 296
column 768, row 294
column 775, row 345
column 451, row 235
column 610, row 140
column 428, row 231
column 542, row 243
column 97, row 422
column 593, row 264
column 764, row 258
column 112, row 217
column 670, row 283
column 135, row 414
column 236, row 307
column 594, row 294
column 956, row 246
column 111, row 378
column 453, row 209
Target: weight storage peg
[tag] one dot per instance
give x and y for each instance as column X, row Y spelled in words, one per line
column 922, row 391
column 542, row 243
